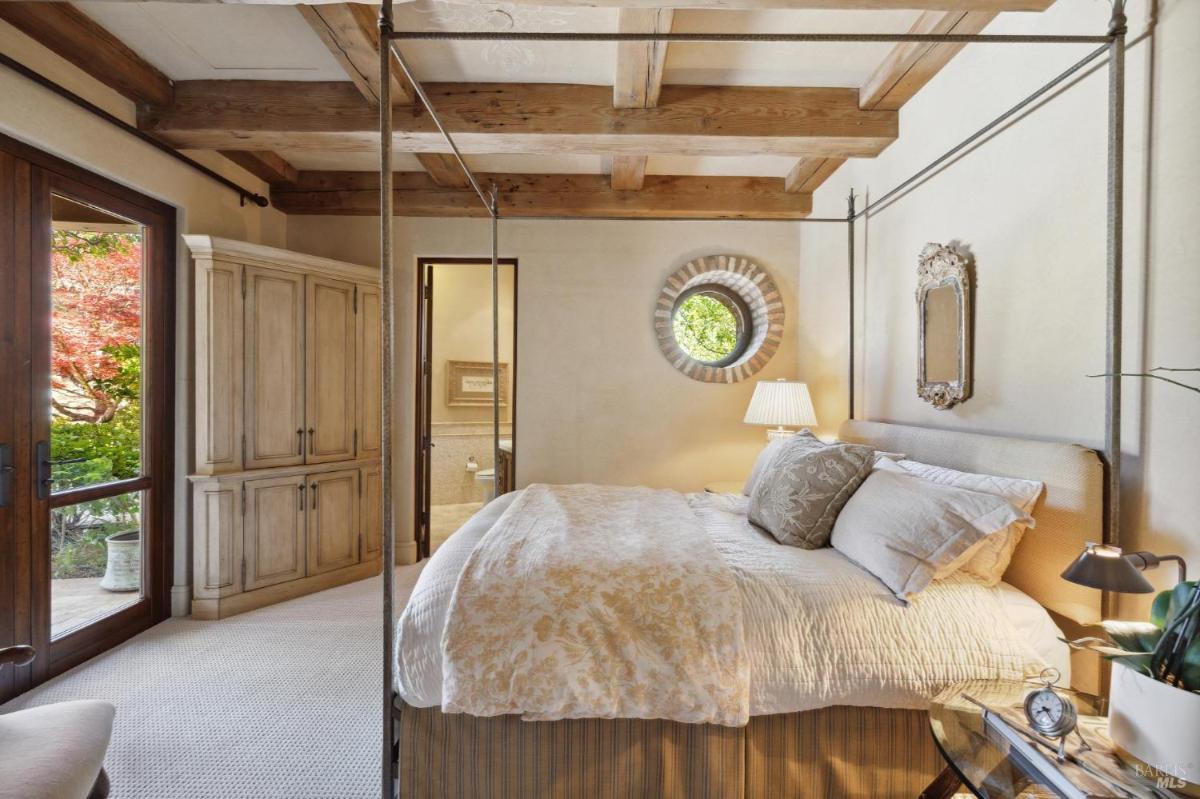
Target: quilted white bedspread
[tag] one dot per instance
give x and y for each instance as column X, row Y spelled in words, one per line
column 818, row 630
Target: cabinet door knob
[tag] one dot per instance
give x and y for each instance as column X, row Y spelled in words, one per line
column 300, row 488
column 300, row 441
column 313, row 486
column 311, row 432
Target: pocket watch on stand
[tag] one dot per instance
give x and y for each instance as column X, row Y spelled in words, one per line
column 1052, row 714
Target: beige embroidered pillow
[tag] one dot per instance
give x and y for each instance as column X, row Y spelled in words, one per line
column 904, row 529
column 804, row 486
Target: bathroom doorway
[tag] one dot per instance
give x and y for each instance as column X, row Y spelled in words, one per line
column 457, row 471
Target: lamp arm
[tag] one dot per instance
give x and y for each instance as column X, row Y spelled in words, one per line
column 1148, row 560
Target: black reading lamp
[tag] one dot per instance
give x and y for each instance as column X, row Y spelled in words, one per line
column 1109, row 569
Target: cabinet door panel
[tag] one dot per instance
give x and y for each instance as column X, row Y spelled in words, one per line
column 372, row 511
column 370, row 420
column 273, row 532
column 274, row 368
column 218, row 367
column 329, row 349
column 332, row 520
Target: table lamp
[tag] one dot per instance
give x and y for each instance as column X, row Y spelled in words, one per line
column 1109, row 569
column 780, row 403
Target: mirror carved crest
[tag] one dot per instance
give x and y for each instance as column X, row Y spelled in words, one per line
column 944, row 318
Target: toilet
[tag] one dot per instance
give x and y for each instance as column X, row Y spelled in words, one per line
column 487, row 477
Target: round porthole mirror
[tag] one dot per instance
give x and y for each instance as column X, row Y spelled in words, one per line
column 719, row 318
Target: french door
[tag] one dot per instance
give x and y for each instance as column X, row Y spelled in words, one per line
column 86, row 412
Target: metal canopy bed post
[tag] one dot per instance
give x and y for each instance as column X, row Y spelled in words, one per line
column 1112, row 44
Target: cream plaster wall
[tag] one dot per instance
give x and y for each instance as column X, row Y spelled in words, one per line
column 1029, row 204
column 597, row 402
column 54, row 125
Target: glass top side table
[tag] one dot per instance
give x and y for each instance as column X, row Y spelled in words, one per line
column 979, row 760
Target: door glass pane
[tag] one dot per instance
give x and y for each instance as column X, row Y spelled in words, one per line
column 96, row 346
column 95, row 560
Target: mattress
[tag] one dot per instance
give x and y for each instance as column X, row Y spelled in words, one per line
column 819, row 630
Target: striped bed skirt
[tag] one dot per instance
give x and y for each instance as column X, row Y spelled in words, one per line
column 837, row 752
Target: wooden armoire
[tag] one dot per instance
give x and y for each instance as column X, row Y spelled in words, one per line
column 287, row 481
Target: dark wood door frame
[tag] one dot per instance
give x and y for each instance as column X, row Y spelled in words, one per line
column 28, row 178
column 423, row 382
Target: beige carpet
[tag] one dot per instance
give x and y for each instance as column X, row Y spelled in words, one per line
column 279, row 702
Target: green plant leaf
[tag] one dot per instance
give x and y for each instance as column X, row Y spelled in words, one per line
column 1168, row 603
column 1133, row 636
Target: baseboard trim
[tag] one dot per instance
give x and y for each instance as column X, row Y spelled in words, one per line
column 181, row 600
column 406, row 553
column 233, row 604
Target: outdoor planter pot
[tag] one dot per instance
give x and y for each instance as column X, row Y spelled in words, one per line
column 1159, row 725
column 123, row 571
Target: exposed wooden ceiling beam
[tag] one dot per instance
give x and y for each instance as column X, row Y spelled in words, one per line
column 351, row 33
column 526, row 118
column 750, row 5
column 582, row 196
column 444, row 169
column 809, row 173
column 263, row 165
column 73, row 35
column 907, row 67
column 638, row 81
column 639, row 72
column 68, row 32
column 910, row 65
column 628, row 172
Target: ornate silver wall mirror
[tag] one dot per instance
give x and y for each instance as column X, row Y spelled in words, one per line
column 944, row 319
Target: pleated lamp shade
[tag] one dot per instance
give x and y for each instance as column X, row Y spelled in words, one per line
column 781, row 403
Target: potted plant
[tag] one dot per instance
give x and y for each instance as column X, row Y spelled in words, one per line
column 1154, row 699
column 1154, row 692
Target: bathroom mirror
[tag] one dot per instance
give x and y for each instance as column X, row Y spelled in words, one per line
column 944, row 335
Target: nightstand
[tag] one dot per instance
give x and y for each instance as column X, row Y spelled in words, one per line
column 984, row 763
column 725, row 487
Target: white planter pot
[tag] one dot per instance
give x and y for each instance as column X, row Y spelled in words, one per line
column 123, row 570
column 1158, row 724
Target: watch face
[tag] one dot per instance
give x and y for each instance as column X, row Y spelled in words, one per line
column 1049, row 713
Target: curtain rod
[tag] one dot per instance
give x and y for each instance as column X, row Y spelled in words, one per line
column 719, row 38
column 67, row 94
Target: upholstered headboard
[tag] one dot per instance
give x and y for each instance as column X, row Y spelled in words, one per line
column 1069, row 513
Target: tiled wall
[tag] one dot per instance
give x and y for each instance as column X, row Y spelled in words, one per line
column 453, row 444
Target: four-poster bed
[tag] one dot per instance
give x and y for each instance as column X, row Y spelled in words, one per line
column 833, row 749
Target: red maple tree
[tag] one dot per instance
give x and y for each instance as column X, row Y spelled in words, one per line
column 96, row 331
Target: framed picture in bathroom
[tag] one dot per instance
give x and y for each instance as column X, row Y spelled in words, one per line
column 470, row 383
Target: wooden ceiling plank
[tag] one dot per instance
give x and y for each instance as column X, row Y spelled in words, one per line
column 264, row 165
column 582, row 196
column 351, row 33
column 444, row 169
column 526, row 118
column 73, row 35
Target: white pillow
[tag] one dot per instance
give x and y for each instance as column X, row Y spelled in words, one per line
column 988, row 559
column 904, row 530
